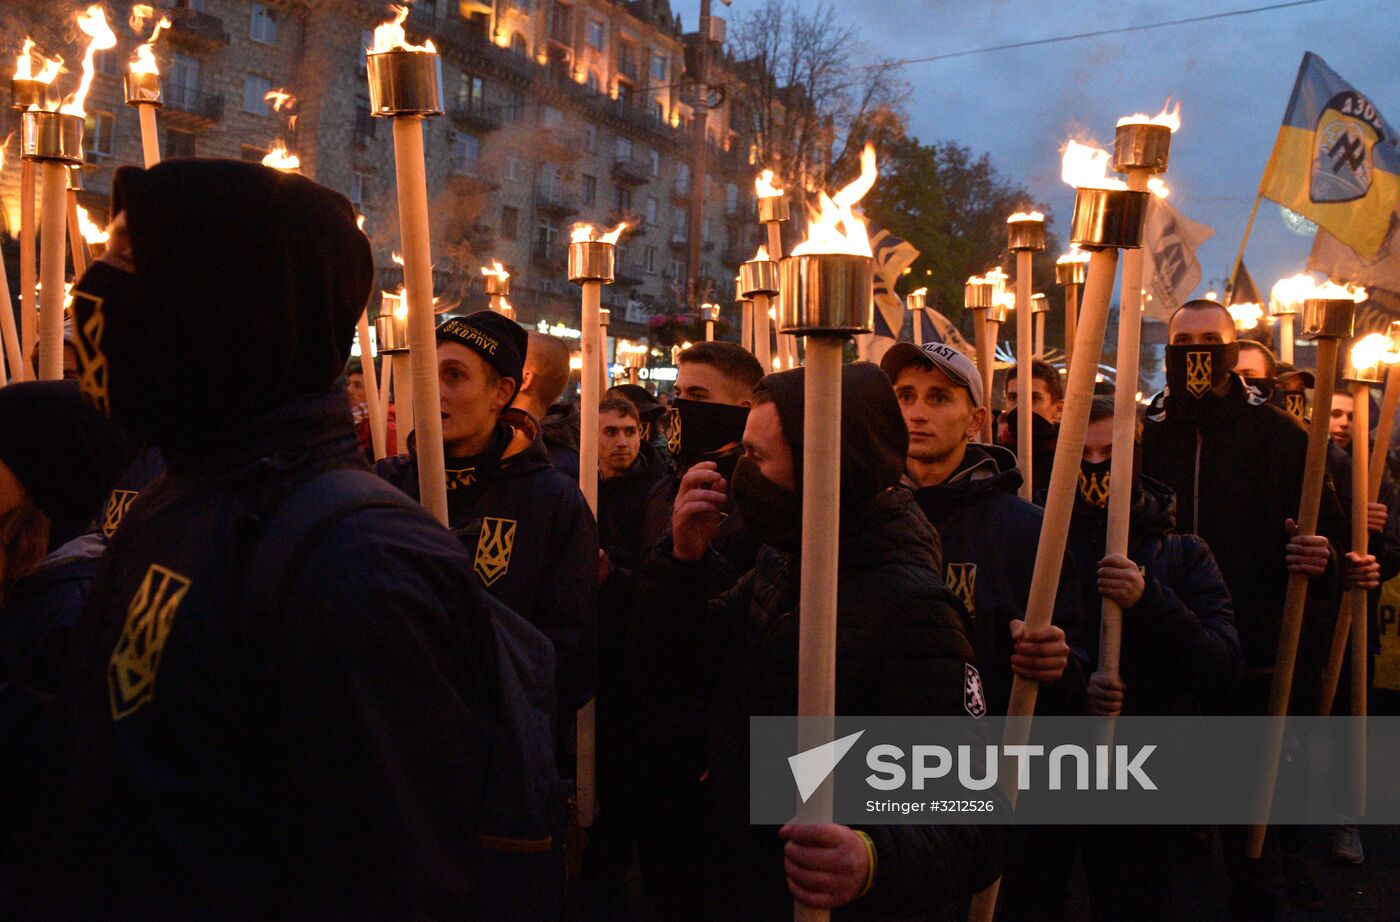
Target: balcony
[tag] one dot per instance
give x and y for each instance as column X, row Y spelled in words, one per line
column 554, row 202
column 550, row 255
column 196, row 31
column 188, row 107
column 469, row 175
column 680, row 241
column 635, row 221
column 631, row 172
column 627, row 67
column 474, row 115
column 627, row 274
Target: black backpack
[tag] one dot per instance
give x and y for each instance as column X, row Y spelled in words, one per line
column 518, row 860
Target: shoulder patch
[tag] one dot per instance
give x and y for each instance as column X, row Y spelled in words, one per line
column 131, row 672
column 974, row 701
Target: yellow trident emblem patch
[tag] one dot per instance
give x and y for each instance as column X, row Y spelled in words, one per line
column 1094, row 488
column 673, row 431
column 962, row 582
column 117, row 505
column 493, row 549
column 1295, row 403
column 92, row 362
column 1198, row 373
column 131, row 673
column 462, row 478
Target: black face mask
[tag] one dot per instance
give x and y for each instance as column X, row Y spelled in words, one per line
column 118, row 361
column 1264, row 387
column 1043, row 432
column 770, row 513
column 699, row 431
column 1193, row 372
column 1093, row 482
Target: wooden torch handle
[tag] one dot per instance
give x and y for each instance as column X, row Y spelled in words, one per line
column 52, row 217
column 372, row 404
column 28, row 280
column 1390, row 396
column 762, row 333
column 150, row 139
column 76, row 244
column 1024, row 403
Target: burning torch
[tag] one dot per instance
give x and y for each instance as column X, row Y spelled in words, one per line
column 758, row 281
column 710, row 313
column 772, row 207
column 391, row 329
column 1285, row 301
column 827, row 296
column 981, row 296
column 1328, row 312
column 1070, row 272
column 374, row 405
column 1141, row 149
column 496, row 280
column 916, row 301
column 14, row 356
column 745, row 317
column 1390, row 397
column 1040, row 307
column 142, row 82
column 634, row 357
column 30, row 92
column 405, row 84
column 1025, row 233
column 1107, row 217
column 604, row 374
column 77, row 242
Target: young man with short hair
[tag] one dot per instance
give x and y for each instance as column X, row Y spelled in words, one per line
column 544, row 378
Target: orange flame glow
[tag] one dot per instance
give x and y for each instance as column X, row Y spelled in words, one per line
column 390, row 36
column 140, row 12
column 1246, row 314
column 144, row 61
column 1086, row 167
column 495, row 269
column 24, row 64
column 1373, row 349
column 762, row 254
column 763, row 186
column 1170, row 118
column 279, row 158
column 91, row 232
column 397, row 258
column 585, row 233
column 919, row 293
column 1288, row 294
column 1025, row 216
column 360, row 221
column 1157, row 187
column 1331, row 291
column 278, row 99
column 835, row 228
column 93, row 23
column 1075, row 255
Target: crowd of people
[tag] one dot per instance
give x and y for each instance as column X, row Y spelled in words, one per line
column 243, row 673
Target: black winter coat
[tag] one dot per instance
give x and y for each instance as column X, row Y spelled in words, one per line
column 1238, row 476
column 1180, row 653
column 622, row 504
column 901, row 649
column 330, row 768
column 989, row 537
column 533, row 541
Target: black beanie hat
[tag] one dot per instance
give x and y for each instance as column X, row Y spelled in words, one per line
column 499, row 340
column 64, row 453
column 250, row 283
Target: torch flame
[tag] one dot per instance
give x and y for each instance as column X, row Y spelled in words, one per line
column 587, row 233
column 278, row 99
column 495, row 269
column 140, row 12
column 397, row 258
column 1075, row 255
column 1170, row 118
column 1373, row 349
column 144, row 61
column 93, row 23
column 762, row 254
column 390, row 36
column 1025, row 216
column 1246, row 314
column 1331, row 291
column 1086, row 167
column 279, row 158
column 1290, row 293
column 1157, row 187
column 24, row 64
column 763, row 186
column 92, row 233
column 835, row 228
column 360, row 221
column 918, row 293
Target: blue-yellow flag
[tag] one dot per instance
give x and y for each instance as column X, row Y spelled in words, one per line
column 1336, row 160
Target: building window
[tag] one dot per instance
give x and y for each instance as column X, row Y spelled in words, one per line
column 515, row 106
column 196, row 5
column 624, row 198
column 364, row 122
column 264, row 25
column 731, row 199
column 590, row 189
column 683, row 178
column 559, row 23
column 184, row 81
column 510, row 223
column 592, row 82
column 624, row 149
column 358, row 182
column 678, row 271
column 551, row 117
column 705, row 229
column 658, row 110
column 97, row 133
column 471, row 92
column 518, row 46
column 546, row 232
column 466, row 153
column 254, row 89
column 597, row 32
column 649, row 258
column 178, row 144
column 108, row 63
column 513, row 169
column 651, row 211
column 658, row 67
column 590, row 137
column 654, row 157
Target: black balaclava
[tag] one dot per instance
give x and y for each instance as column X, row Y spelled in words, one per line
column 1264, row 387
column 697, row 430
column 1094, row 478
column 248, row 285
column 1044, row 434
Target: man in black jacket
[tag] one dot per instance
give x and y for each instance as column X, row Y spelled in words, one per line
column 989, row 534
column 544, row 378
column 325, row 758
column 533, row 541
column 901, row 649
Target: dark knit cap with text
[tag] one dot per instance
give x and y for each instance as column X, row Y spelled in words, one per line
column 501, row 342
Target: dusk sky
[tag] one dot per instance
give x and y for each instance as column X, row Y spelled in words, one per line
column 1233, row 77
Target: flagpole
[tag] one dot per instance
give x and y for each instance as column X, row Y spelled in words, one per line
column 1249, row 227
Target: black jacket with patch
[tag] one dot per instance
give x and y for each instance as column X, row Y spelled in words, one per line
column 989, row 538
column 533, row 541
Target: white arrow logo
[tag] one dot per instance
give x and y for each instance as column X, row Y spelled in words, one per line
column 811, row 768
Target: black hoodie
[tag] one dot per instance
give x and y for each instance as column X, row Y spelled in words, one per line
column 989, row 537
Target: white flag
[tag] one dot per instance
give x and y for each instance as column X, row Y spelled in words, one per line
column 1340, row 262
column 1170, row 269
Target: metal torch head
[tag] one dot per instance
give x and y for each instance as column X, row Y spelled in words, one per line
column 998, row 313
column 496, row 285
column 51, row 136
column 1373, row 373
column 1040, row 304
column 25, row 94
column 1072, row 273
column 391, row 327
column 759, row 277
column 1105, row 218
column 1142, row 146
column 591, row 261
column 75, row 179
column 1328, row 318
column 978, row 296
column 710, row 312
column 404, row 82
column 827, row 293
column 143, row 90
column 1025, row 235
column 772, row 208
column 604, row 317
column 916, row 300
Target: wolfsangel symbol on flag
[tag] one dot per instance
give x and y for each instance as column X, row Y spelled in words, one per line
column 1336, row 161
column 892, row 256
column 1169, row 258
